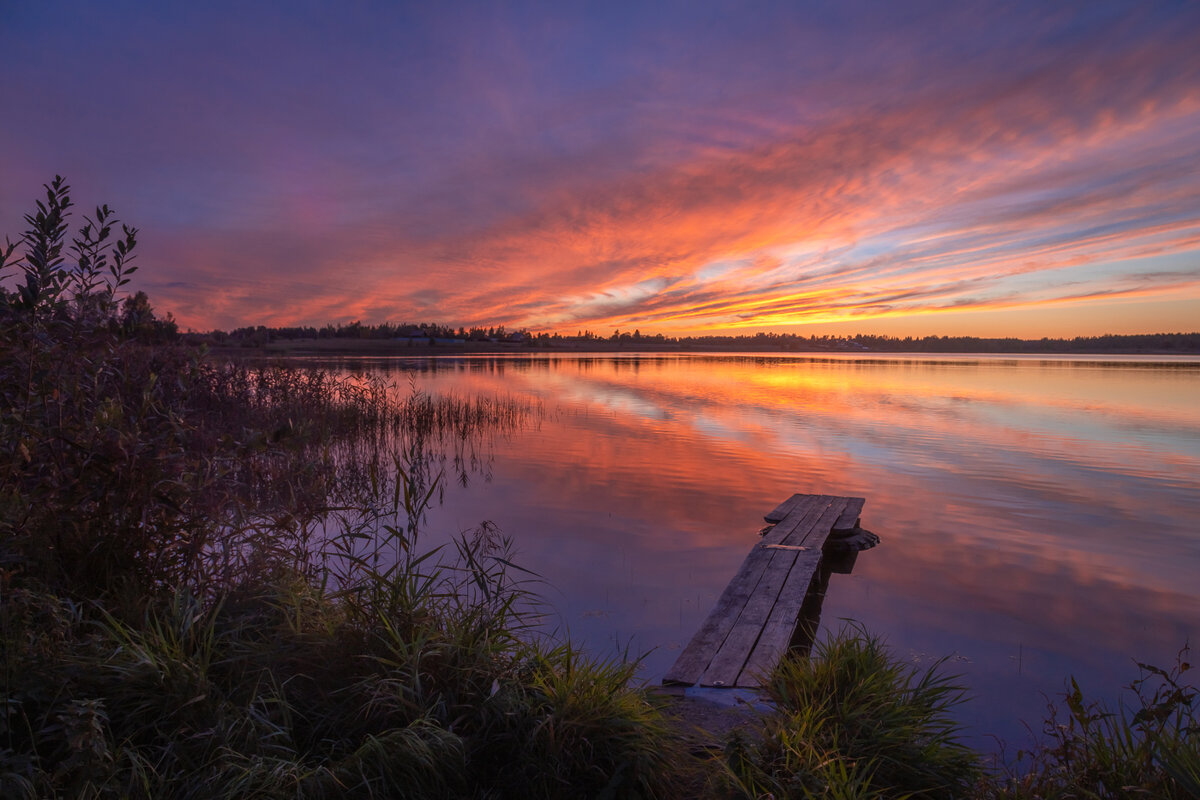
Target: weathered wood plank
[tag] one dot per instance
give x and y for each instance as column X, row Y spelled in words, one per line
column 752, row 623
column 780, row 626
column 795, row 517
column 783, row 509
column 728, row 659
column 849, row 518
column 777, row 629
column 727, row 662
column 696, row 656
column 816, row 528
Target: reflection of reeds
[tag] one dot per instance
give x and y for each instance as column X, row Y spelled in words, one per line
column 331, row 453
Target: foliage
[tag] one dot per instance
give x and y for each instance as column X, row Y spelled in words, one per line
column 133, row 465
column 408, row 681
column 1149, row 747
column 852, row 721
column 211, row 581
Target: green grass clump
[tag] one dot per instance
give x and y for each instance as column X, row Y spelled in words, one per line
column 568, row 726
column 852, row 721
column 1148, row 747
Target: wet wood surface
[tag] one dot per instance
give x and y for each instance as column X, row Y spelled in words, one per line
column 752, row 623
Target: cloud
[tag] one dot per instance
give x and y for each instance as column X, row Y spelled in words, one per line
column 708, row 171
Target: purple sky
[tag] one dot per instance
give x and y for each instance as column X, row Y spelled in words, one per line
column 1000, row 169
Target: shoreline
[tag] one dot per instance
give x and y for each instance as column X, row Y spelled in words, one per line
column 392, row 348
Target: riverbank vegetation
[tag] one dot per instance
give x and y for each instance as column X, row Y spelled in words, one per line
column 213, row 583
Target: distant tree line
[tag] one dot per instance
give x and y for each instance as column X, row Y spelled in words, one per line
column 260, row 335
column 1109, row 343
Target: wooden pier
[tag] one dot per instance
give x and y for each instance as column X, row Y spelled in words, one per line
column 753, row 622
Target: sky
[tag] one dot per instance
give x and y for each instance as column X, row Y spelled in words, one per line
column 913, row 168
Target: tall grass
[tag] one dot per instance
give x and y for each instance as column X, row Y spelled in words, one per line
column 409, row 681
column 1149, row 746
column 852, row 721
column 413, row 676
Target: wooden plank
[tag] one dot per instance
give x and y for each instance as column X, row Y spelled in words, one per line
column 781, row 624
column 727, row 661
column 732, row 653
column 731, row 656
column 777, row 629
column 751, row 625
column 815, row 530
column 783, row 509
column 696, row 656
column 848, row 521
column 795, row 517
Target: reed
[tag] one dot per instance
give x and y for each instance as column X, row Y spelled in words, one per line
column 1149, row 746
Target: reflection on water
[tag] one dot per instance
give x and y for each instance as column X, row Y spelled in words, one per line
column 1039, row 516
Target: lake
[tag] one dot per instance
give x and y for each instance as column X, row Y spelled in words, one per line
column 1039, row 516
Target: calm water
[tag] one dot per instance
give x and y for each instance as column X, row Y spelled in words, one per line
column 1039, row 516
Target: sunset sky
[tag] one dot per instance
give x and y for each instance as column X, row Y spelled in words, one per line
column 1025, row 169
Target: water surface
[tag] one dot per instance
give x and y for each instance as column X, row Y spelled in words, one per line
column 1038, row 515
